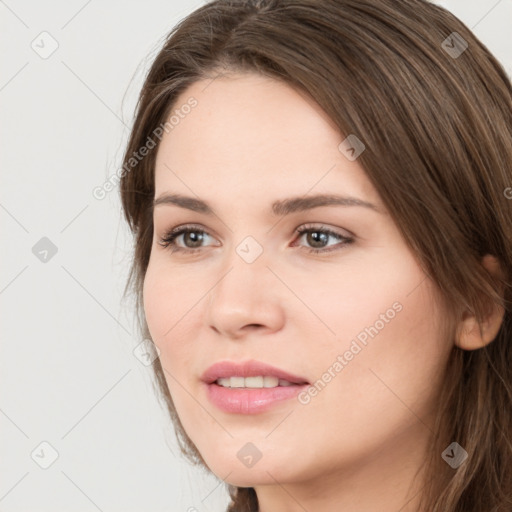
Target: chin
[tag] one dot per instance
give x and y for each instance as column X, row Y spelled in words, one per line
column 264, row 472
column 248, row 478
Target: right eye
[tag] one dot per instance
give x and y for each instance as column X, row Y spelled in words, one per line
column 191, row 234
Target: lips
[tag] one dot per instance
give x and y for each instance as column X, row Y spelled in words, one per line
column 226, row 369
column 249, row 400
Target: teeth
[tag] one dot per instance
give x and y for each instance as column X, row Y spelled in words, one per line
column 253, row 382
column 237, row 382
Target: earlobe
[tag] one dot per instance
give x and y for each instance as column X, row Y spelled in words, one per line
column 470, row 334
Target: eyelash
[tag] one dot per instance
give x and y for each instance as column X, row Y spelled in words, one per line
column 168, row 241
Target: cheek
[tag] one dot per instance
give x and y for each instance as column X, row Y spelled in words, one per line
column 167, row 301
column 388, row 327
column 364, row 297
column 155, row 298
column 391, row 366
column 169, row 310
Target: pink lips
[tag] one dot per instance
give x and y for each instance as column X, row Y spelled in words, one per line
column 249, row 400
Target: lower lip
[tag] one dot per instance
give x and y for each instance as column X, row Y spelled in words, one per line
column 250, row 400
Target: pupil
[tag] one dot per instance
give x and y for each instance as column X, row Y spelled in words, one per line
column 195, row 238
column 316, row 237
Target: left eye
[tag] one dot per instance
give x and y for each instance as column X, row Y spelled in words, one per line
column 193, row 238
column 321, row 235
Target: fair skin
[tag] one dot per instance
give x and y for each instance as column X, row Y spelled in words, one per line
column 356, row 445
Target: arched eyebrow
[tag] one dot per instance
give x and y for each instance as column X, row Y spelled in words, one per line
column 279, row 208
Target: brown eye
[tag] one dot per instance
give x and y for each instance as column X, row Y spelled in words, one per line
column 191, row 239
column 318, row 239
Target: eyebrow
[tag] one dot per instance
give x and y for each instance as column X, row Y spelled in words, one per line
column 279, row 208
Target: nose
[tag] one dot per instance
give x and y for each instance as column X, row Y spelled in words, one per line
column 248, row 297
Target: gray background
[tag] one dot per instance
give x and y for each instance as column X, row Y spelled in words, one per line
column 68, row 373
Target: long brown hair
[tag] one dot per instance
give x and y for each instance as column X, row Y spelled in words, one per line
column 434, row 110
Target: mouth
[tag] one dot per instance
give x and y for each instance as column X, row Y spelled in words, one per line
column 251, row 387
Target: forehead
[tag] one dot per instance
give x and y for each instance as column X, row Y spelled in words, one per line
column 252, row 133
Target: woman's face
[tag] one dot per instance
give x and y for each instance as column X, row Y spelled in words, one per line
column 359, row 318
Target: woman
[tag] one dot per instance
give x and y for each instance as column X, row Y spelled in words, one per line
column 323, row 253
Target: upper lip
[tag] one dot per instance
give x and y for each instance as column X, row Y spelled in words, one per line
column 224, row 369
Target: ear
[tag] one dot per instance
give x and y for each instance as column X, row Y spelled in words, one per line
column 470, row 334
